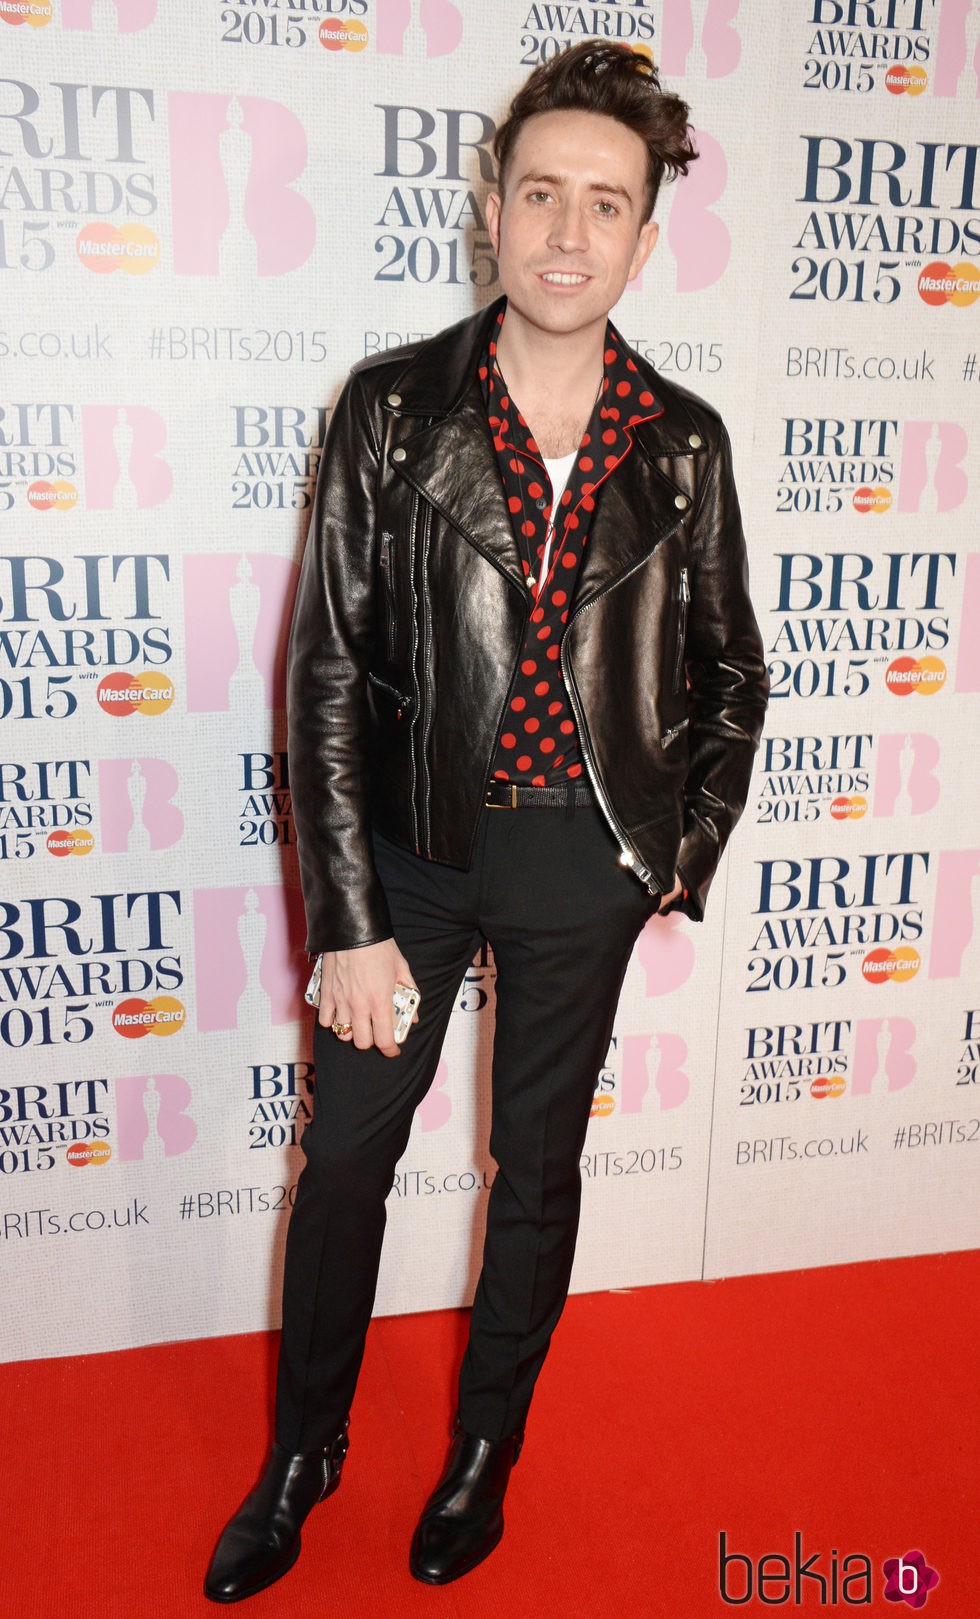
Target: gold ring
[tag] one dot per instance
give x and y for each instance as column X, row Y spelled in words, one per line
column 342, row 1028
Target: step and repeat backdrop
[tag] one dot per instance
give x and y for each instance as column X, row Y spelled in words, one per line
column 207, row 213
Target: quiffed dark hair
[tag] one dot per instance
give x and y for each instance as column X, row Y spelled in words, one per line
column 619, row 83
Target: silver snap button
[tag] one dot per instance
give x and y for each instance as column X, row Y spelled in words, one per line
column 396, row 399
column 399, row 454
column 695, row 440
column 680, row 501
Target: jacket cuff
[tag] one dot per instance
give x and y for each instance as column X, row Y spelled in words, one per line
column 355, row 918
column 697, row 862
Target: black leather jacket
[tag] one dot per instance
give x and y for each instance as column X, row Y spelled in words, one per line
column 409, row 621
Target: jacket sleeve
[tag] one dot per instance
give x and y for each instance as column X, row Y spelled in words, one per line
column 330, row 650
column 728, row 682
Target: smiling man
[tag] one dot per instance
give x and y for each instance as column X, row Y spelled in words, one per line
column 526, row 685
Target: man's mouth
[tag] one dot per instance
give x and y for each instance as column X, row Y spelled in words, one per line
column 563, row 278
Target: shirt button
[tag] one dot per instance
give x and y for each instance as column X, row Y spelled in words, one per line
column 680, row 501
column 695, row 440
column 541, row 504
column 396, row 399
column 399, row 454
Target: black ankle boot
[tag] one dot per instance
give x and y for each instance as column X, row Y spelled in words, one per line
column 463, row 1518
column 262, row 1541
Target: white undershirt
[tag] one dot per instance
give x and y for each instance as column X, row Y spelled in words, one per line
column 559, row 469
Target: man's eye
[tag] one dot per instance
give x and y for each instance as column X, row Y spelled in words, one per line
column 607, row 209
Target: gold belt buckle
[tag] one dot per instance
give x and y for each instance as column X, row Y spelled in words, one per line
column 513, row 798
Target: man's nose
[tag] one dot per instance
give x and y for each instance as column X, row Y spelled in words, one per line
column 568, row 229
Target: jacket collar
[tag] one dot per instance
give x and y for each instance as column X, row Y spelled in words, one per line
column 442, row 371
column 450, row 459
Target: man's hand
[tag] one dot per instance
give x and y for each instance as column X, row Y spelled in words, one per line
column 666, row 899
column 357, row 987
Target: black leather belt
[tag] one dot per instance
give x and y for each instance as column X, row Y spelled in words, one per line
column 515, row 795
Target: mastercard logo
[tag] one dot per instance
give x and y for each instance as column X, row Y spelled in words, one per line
column 102, row 247
column 906, row 81
column 36, row 13
column 872, row 500
column 135, row 1018
column 942, row 283
column 924, row 675
column 849, row 809
column 46, row 497
column 891, row 966
column 335, row 35
column 81, row 1153
column 122, row 694
column 70, row 840
column 828, row 1085
column 602, row 1106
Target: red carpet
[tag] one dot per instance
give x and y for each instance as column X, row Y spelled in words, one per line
column 839, row 1402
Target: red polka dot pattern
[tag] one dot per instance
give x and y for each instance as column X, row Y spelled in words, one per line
column 547, row 721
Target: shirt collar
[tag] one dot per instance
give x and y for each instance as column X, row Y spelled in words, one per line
column 623, row 402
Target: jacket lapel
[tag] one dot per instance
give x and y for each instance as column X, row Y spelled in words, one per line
column 453, row 465
column 634, row 512
column 441, row 425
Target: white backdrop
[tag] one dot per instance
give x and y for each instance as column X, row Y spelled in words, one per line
column 207, row 212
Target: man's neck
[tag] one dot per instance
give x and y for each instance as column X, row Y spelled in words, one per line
column 554, row 379
column 561, row 365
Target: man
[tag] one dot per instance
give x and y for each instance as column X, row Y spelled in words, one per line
column 526, row 685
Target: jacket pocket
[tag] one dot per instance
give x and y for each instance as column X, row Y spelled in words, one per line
column 683, row 600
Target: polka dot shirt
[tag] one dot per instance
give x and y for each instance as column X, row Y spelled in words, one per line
column 538, row 742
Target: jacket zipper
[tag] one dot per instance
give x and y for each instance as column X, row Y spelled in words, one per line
column 405, row 703
column 425, row 717
column 413, row 664
column 386, row 565
column 674, row 731
column 684, row 597
column 627, row 854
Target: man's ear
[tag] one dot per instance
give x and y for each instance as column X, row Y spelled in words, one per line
column 645, row 245
column 494, row 206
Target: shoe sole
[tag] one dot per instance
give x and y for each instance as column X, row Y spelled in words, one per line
column 457, row 1574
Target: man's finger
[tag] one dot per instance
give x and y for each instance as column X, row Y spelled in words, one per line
column 339, row 1021
column 383, row 1022
column 363, row 1031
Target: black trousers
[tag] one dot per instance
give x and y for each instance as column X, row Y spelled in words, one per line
column 561, row 915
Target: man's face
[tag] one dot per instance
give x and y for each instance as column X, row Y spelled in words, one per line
column 569, row 231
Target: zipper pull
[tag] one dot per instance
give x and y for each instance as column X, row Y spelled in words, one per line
column 684, row 593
